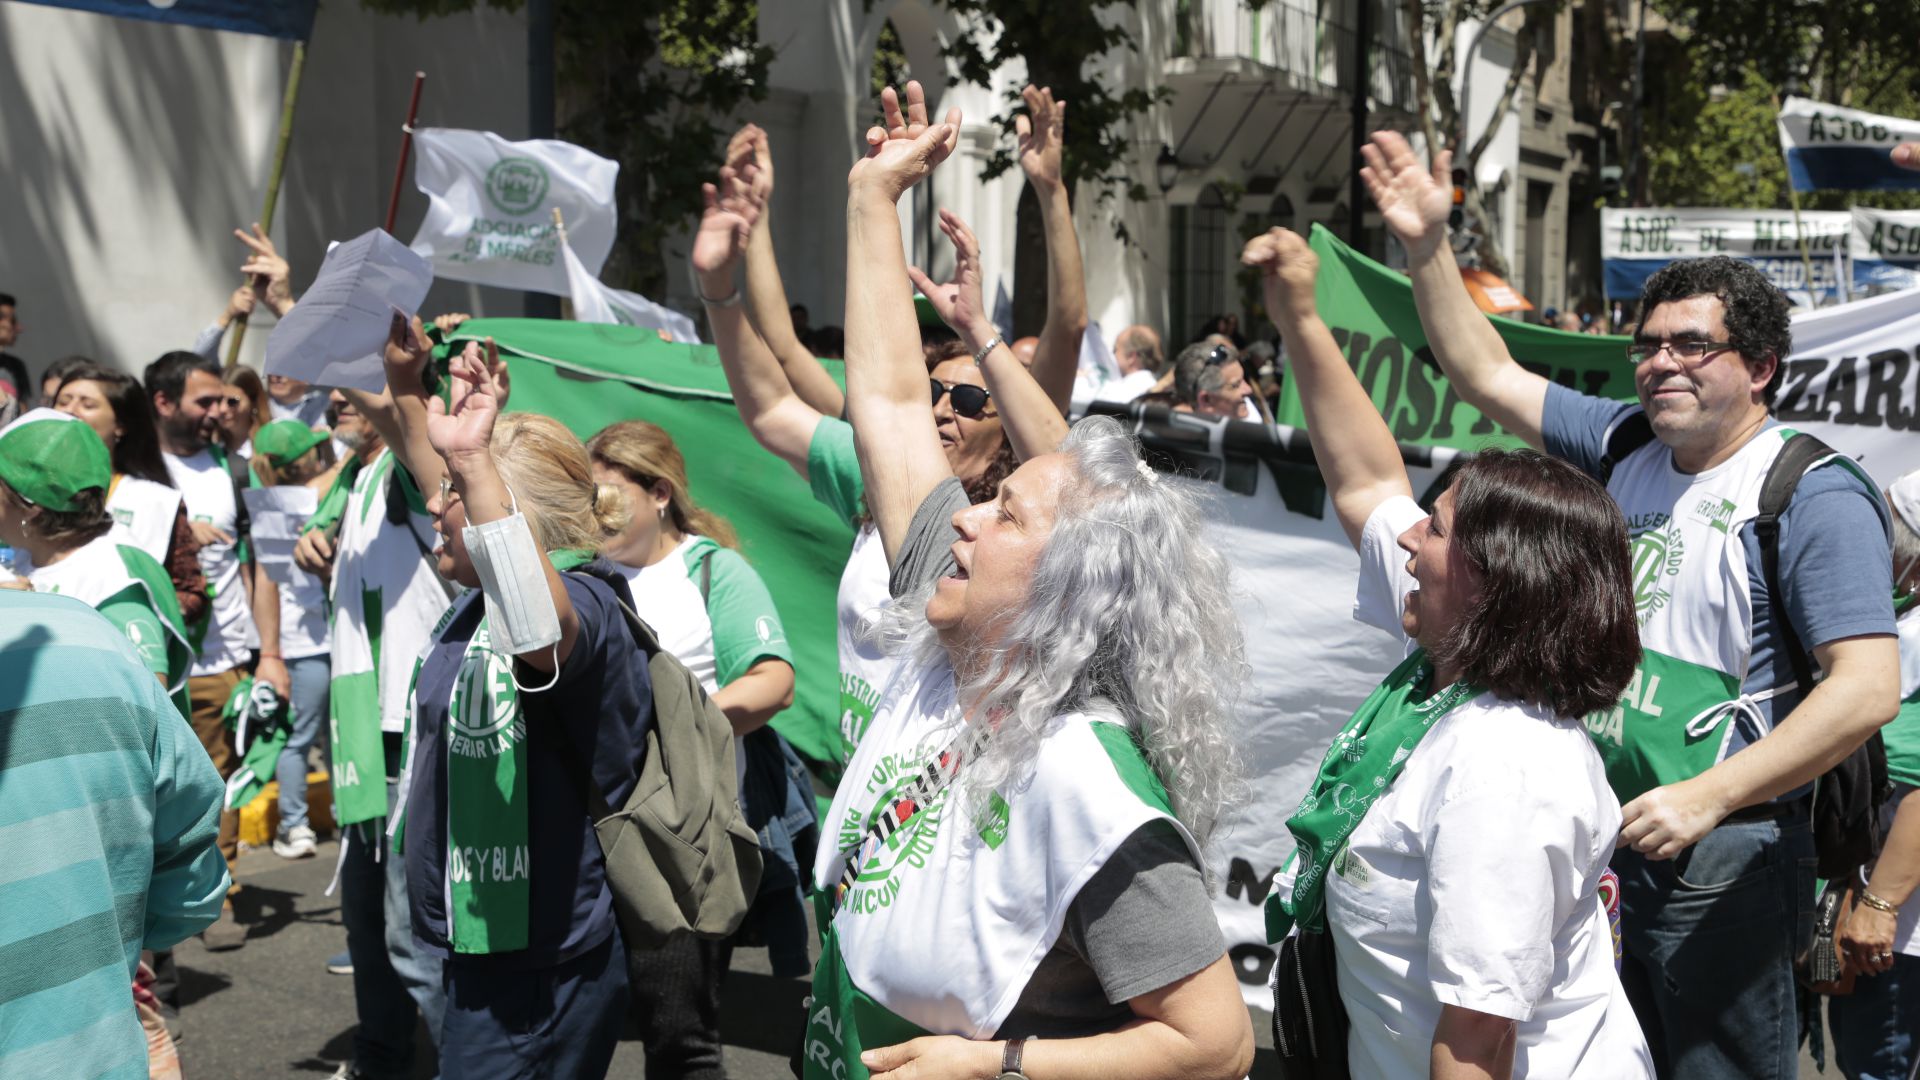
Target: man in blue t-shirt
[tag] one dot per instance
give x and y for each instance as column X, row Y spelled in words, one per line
column 1716, row 849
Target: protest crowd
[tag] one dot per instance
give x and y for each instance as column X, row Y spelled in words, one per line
column 1581, row 829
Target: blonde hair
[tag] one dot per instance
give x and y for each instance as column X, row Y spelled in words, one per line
column 646, row 453
column 547, row 470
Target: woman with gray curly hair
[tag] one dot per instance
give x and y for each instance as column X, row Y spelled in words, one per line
column 1014, row 853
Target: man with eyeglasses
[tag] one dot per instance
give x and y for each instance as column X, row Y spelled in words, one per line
column 1714, row 748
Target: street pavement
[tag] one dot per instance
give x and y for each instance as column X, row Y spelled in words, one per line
column 271, row 1010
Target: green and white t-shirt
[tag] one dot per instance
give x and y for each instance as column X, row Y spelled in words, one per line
column 386, row 599
column 207, row 487
column 146, row 511
column 833, row 470
column 132, row 591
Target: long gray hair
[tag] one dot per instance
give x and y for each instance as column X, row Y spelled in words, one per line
column 1129, row 611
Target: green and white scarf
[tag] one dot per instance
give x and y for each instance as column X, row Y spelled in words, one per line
column 1362, row 763
column 489, row 867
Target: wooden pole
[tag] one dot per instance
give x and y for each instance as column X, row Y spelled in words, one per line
column 274, row 177
column 1799, row 234
column 406, row 150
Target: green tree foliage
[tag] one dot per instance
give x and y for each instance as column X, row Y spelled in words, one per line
column 646, row 83
column 1712, row 138
column 1063, row 46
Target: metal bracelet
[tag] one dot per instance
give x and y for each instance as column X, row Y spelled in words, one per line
column 1878, row 904
column 980, row 358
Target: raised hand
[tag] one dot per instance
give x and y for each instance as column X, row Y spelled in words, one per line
column 906, row 149
column 749, row 146
column 727, row 221
column 1042, row 132
column 267, row 268
column 239, row 305
column 407, row 352
column 465, row 428
column 1289, row 267
column 959, row 301
column 1414, row 200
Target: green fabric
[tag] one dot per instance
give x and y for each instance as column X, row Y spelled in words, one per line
column 843, row 1021
column 353, row 723
column 589, row 375
column 264, row 738
column 1370, row 310
column 128, row 611
column 1365, row 757
column 1643, row 738
column 1130, row 761
column 283, row 442
column 333, row 505
column 746, row 623
column 833, row 470
column 1902, row 738
column 488, row 862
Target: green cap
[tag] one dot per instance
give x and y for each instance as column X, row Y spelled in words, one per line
column 284, row 441
column 49, row 458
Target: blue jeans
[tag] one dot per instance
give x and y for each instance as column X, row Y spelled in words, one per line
column 553, row 1023
column 1875, row 1027
column 310, row 675
column 1709, row 940
column 394, row 979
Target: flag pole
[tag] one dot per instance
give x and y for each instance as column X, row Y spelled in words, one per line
column 1799, row 233
column 274, row 177
column 406, row 150
column 560, row 228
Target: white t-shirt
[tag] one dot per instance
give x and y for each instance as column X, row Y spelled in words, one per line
column 671, row 603
column 207, row 488
column 1472, row 881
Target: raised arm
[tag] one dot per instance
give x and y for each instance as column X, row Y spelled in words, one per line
column 1056, row 359
column 779, row 420
column 1032, row 419
column 1358, row 457
column 766, row 294
column 1414, row 202
column 887, row 399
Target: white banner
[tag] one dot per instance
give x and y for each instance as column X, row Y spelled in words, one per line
column 1634, row 242
column 491, row 202
column 599, row 303
column 1829, row 147
column 1854, row 380
column 1885, row 248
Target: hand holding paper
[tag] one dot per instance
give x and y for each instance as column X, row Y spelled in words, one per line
column 335, row 335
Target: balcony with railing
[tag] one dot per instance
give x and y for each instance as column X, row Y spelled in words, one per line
column 1310, row 50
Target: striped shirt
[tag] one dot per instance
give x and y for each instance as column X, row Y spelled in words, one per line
column 108, row 813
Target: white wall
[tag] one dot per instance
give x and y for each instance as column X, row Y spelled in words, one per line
column 134, row 148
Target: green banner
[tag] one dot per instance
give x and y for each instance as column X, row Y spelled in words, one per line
column 1370, row 311
column 589, row 375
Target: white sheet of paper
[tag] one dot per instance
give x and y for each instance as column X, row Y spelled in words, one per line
column 335, row 334
column 278, row 515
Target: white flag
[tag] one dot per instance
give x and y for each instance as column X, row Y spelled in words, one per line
column 1096, row 359
column 596, row 302
column 491, row 202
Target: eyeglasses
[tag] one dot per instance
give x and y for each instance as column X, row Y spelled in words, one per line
column 1688, row 351
column 969, row 400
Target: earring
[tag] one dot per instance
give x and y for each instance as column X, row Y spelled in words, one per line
column 663, row 513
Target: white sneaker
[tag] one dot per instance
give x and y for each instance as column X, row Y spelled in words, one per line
column 298, row 844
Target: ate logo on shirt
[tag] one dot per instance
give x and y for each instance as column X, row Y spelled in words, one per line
column 485, row 713
column 1657, row 551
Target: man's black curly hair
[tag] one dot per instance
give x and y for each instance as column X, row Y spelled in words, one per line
column 1756, row 311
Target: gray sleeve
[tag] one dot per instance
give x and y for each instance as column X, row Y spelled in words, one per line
column 925, row 555
column 1573, row 426
column 207, row 344
column 1144, row 920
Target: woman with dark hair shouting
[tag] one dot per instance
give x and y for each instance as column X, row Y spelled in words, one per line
column 1456, row 836
column 1012, row 861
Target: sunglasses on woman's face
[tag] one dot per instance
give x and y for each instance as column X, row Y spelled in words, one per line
column 969, row 400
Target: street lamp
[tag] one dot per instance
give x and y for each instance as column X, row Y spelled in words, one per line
column 1166, row 169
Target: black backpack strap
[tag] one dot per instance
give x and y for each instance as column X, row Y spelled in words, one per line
column 1776, row 493
column 1631, row 432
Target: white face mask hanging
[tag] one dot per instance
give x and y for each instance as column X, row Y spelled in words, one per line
column 513, row 577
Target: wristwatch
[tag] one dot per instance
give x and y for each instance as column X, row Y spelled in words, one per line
column 1010, row 1060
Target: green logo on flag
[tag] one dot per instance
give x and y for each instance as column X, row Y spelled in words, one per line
column 517, row 185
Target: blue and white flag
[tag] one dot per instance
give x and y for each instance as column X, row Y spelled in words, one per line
column 288, row 19
column 1828, row 147
column 1885, row 249
column 1634, row 242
